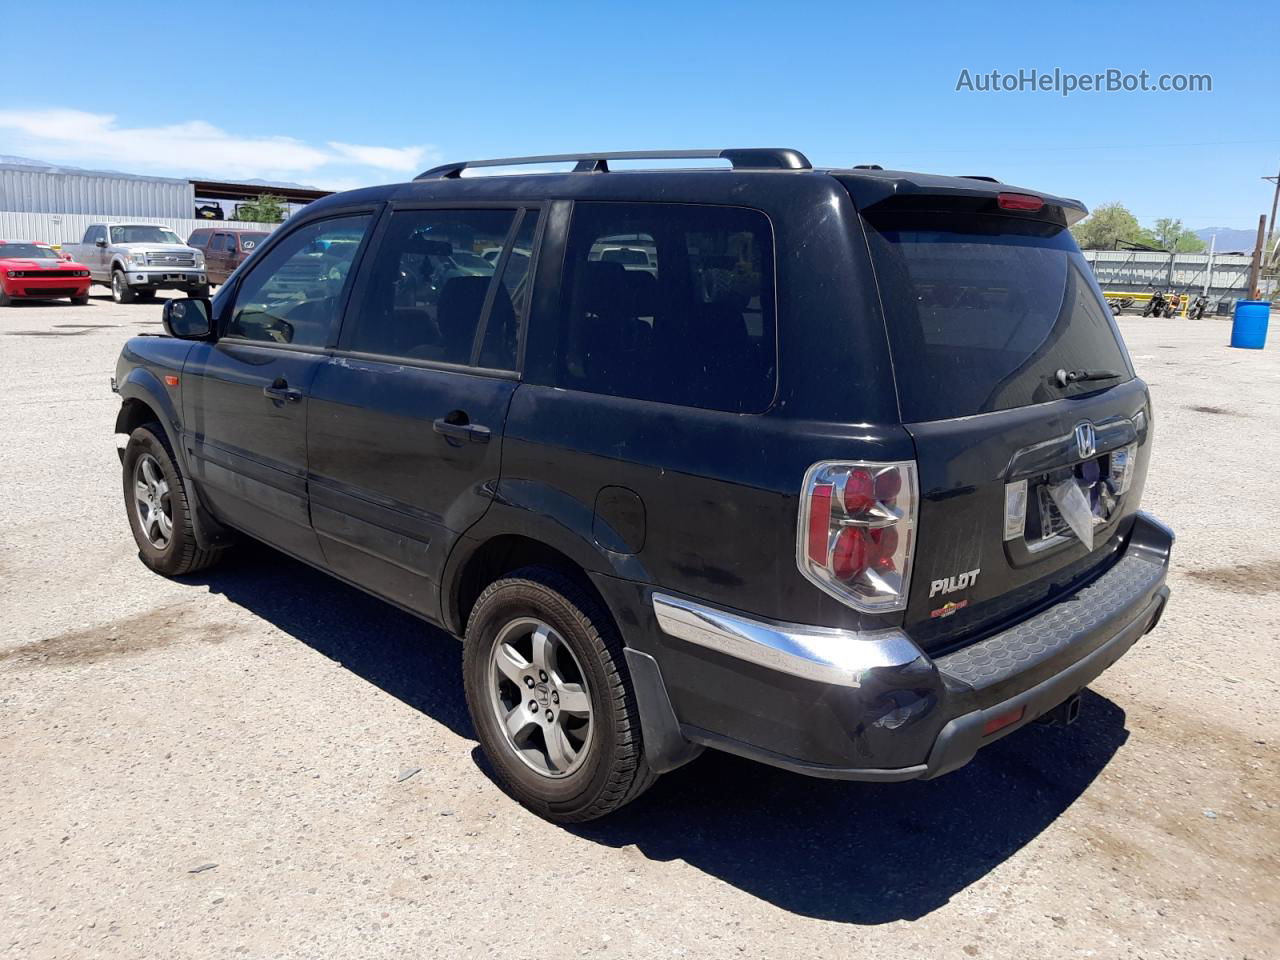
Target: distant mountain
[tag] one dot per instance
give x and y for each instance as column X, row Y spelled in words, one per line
column 24, row 162
column 1229, row 240
column 278, row 183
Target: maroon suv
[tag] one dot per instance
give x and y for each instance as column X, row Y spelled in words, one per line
column 224, row 250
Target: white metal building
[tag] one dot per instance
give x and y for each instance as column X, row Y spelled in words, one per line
column 54, row 204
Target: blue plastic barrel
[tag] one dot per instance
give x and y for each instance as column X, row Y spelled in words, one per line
column 1249, row 327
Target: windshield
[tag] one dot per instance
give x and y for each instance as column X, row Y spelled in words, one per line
column 983, row 311
column 143, row 233
column 26, row 251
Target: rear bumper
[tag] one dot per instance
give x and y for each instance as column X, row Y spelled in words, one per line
column 874, row 706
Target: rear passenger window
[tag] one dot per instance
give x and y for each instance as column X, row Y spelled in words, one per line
column 428, row 285
column 670, row 302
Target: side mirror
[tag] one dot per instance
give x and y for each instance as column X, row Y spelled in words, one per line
column 188, row 319
column 101, row 242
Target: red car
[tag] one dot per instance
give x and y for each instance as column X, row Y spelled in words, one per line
column 36, row 271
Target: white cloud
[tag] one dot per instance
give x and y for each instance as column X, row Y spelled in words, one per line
column 79, row 137
column 385, row 158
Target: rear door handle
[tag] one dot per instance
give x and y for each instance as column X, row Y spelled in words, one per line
column 461, row 431
column 280, row 390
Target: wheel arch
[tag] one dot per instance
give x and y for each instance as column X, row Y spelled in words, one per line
column 477, row 563
column 533, row 522
column 143, row 400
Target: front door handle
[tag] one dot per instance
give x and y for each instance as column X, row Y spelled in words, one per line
column 451, row 427
column 280, row 390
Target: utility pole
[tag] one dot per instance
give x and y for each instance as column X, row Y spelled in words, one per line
column 1271, row 232
column 1208, row 275
column 1274, row 201
column 1255, row 268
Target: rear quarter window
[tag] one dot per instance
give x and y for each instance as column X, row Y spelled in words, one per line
column 670, row 302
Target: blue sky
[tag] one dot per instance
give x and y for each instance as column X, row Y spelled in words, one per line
column 342, row 94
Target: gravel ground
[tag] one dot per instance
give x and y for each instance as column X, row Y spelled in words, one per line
column 224, row 767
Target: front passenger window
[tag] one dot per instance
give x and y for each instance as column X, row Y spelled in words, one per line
column 295, row 293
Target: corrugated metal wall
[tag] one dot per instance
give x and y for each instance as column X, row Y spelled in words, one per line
column 31, row 190
column 70, row 227
column 1130, row 271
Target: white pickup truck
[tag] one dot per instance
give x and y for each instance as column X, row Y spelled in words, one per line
column 136, row 259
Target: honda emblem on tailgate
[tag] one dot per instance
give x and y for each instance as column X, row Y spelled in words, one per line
column 1086, row 440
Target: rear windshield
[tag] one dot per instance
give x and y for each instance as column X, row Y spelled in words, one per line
column 983, row 312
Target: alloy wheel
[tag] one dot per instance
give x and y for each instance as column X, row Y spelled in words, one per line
column 151, row 502
column 539, row 697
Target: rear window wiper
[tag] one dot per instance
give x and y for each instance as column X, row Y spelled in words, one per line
column 1064, row 378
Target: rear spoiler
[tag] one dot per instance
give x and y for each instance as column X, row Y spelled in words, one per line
column 921, row 192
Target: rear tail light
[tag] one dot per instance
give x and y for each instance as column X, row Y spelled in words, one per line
column 856, row 532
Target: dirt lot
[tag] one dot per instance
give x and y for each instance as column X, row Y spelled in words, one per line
column 218, row 767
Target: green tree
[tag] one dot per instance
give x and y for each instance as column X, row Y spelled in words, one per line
column 267, row 208
column 1171, row 235
column 1190, row 243
column 1106, row 227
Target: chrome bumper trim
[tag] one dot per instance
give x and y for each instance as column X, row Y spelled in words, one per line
column 823, row 654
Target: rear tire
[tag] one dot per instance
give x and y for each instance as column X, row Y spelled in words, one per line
column 575, row 752
column 121, row 292
column 155, row 498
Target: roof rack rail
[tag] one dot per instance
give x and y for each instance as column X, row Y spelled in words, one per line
column 867, row 166
column 978, row 176
column 741, row 158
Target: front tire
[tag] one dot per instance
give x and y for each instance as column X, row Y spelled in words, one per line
column 550, row 697
column 155, row 498
column 80, row 301
column 121, row 292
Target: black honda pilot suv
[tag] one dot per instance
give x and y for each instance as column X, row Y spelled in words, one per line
column 834, row 469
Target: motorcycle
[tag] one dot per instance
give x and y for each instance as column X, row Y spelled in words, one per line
column 1174, row 305
column 1118, row 305
column 1198, row 307
column 1157, row 305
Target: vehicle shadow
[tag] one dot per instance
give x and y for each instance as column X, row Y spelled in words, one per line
column 406, row 657
column 864, row 853
column 855, row 853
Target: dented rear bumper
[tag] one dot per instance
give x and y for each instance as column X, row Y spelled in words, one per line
column 874, row 706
